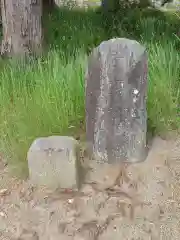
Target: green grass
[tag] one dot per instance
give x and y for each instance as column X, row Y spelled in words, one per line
column 46, row 96
column 41, row 99
column 163, row 89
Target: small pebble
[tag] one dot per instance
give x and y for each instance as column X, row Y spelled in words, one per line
column 2, row 214
column 70, row 201
column 3, row 192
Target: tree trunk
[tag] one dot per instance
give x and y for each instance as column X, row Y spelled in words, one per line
column 22, row 30
column 49, row 5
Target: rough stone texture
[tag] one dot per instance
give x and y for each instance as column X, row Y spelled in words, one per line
column 116, row 87
column 53, row 162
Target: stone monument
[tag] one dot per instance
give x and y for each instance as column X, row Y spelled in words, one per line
column 116, row 91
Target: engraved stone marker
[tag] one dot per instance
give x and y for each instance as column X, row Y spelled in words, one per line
column 116, row 88
column 53, row 162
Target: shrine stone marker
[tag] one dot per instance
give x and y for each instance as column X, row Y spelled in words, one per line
column 53, row 162
column 116, row 89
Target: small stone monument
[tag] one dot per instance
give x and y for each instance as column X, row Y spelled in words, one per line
column 116, row 91
column 54, row 162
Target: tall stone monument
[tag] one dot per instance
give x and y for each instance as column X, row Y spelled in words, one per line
column 116, row 91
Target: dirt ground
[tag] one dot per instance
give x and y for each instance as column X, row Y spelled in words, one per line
column 144, row 204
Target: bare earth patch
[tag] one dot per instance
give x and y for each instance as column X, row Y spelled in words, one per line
column 143, row 204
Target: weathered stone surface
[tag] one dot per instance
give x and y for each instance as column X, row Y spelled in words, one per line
column 53, row 162
column 116, row 87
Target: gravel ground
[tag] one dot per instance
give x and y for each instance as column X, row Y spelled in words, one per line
column 144, row 204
